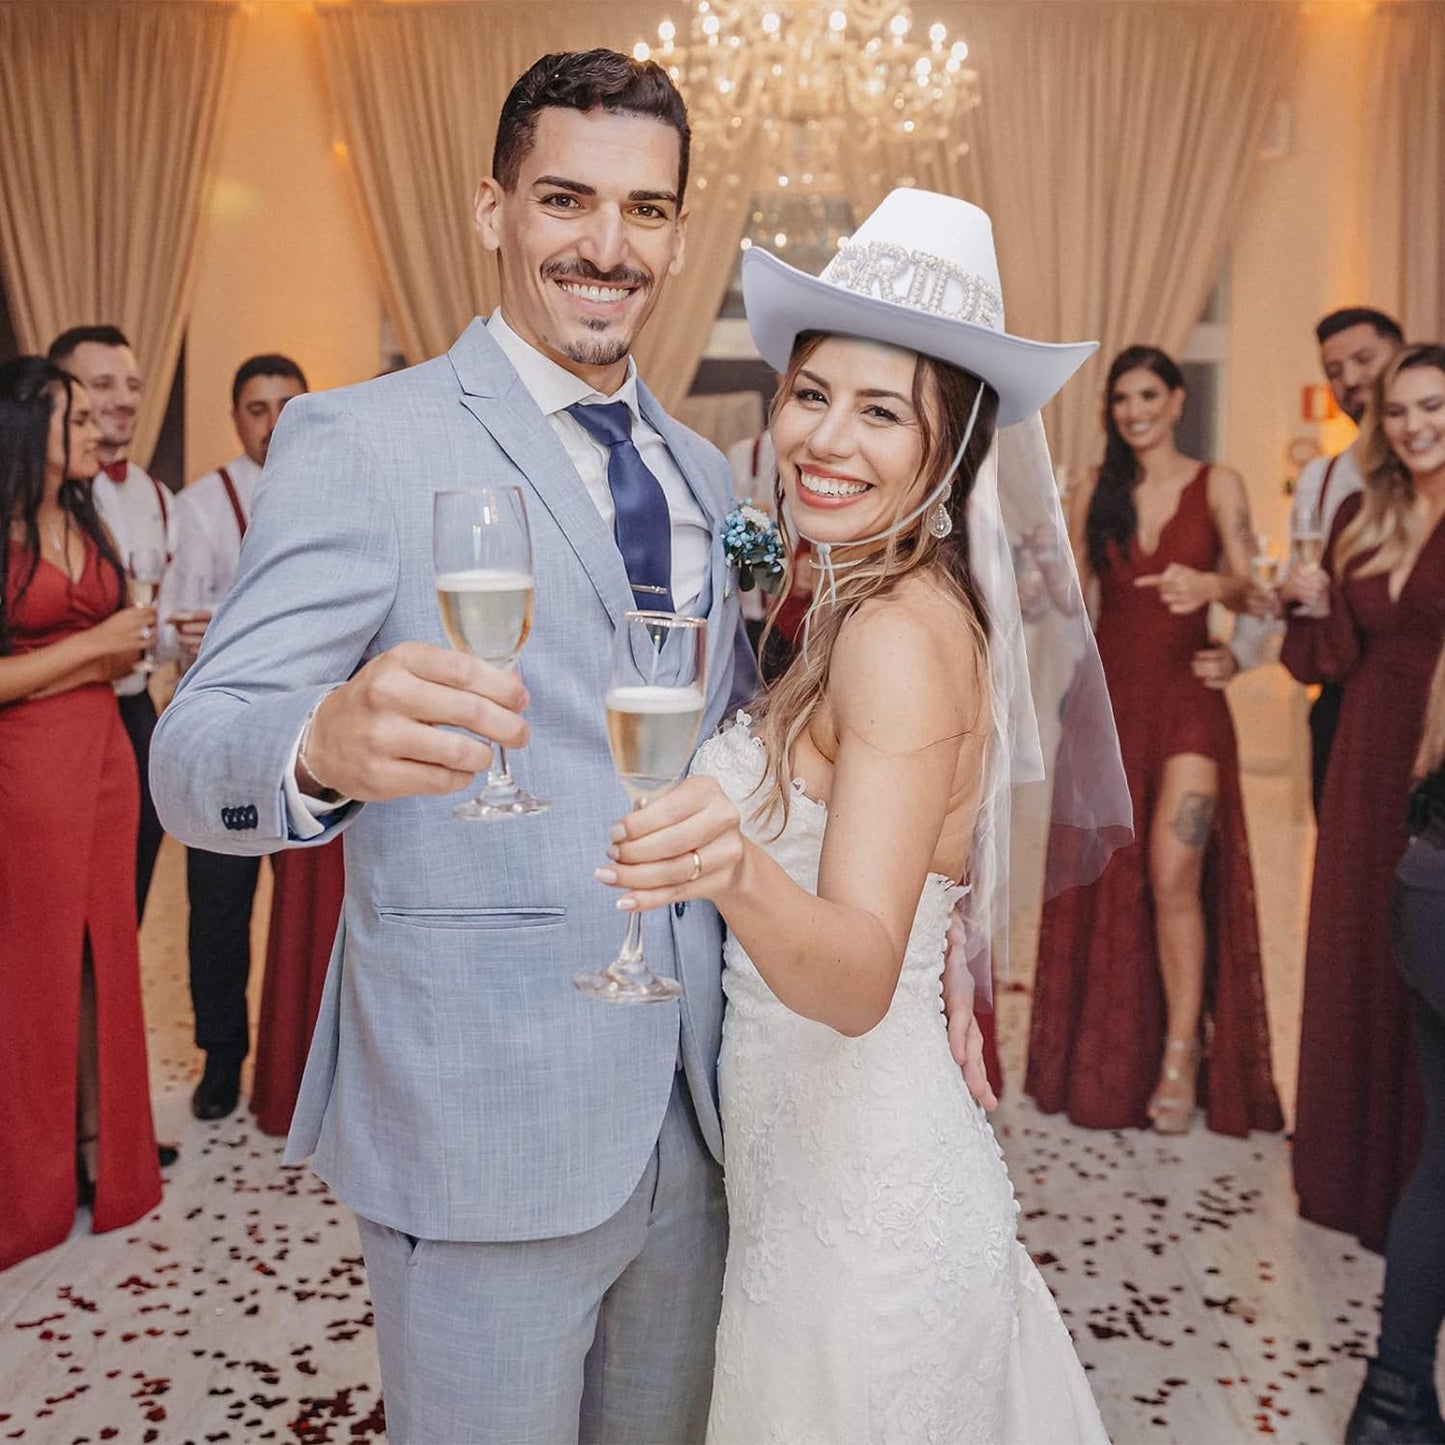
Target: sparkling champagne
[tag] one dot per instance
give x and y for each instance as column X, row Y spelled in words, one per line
column 143, row 592
column 488, row 614
column 652, row 732
column 1309, row 548
column 1264, row 570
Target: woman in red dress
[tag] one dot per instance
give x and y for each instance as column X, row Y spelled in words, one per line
column 306, row 896
column 1149, row 986
column 1358, row 1117
column 74, row 1092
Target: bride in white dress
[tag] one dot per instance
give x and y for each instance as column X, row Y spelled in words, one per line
column 875, row 1290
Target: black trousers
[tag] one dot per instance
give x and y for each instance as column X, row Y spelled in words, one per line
column 1414, row 1302
column 221, row 890
column 138, row 713
column 1324, row 719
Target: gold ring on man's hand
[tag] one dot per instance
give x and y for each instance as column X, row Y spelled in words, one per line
column 696, row 866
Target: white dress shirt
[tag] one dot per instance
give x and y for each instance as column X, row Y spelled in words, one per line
column 139, row 512
column 554, row 389
column 208, row 537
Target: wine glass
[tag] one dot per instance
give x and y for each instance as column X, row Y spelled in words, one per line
column 654, row 702
column 482, row 554
column 1264, row 564
column 146, row 566
column 1307, row 547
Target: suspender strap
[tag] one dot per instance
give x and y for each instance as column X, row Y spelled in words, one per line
column 1325, row 485
column 163, row 504
column 235, row 501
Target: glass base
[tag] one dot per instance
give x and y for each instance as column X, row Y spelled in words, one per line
column 490, row 808
column 641, row 987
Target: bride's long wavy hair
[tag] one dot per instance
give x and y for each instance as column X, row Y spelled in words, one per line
column 943, row 398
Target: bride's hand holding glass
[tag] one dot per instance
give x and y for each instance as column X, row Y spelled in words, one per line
column 686, row 845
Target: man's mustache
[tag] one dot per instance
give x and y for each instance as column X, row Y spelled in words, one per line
column 585, row 271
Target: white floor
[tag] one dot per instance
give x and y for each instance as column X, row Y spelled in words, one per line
column 1204, row 1309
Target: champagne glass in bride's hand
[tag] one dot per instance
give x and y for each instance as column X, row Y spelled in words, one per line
column 654, row 713
column 1307, row 549
column 482, row 553
column 146, row 566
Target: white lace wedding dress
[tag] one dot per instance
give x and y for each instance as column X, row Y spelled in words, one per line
column 875, row 1289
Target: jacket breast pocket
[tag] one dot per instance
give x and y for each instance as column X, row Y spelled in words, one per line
column 473, row 919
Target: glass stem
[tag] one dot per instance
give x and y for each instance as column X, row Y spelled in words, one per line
column 499, row 775
column 629, row 963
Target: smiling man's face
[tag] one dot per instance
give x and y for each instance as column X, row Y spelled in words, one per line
column 588, row 236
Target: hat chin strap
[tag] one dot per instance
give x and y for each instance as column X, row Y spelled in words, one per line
column 822, row 560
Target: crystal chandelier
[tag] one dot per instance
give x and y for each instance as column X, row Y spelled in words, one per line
column 819, row 78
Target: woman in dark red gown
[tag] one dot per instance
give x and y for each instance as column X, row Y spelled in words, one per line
column 1358, row 1116
column 74, row 1091
column 1149, row 983
column 306, row 898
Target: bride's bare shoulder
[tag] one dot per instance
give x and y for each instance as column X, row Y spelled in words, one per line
column 913, row 652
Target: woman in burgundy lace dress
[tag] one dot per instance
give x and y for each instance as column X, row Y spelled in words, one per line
column 1149, row 987
column 1358, row 1116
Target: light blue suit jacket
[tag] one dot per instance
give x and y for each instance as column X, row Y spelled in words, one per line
column 458, row 1087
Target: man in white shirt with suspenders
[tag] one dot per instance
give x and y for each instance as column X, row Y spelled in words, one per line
column 138, row 511
column 211, row 518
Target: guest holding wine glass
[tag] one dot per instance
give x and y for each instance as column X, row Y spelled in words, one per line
column 74, row 1092
column 1149, row 985
column 1382, row 593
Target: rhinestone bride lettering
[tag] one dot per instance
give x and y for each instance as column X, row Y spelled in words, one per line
column 917, row 279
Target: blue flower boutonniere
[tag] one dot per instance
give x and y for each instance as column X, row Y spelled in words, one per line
column 752, row 544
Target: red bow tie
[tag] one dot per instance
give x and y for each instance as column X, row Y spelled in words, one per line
column 116, row 471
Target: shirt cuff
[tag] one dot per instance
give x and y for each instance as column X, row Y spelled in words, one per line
column 306, row 817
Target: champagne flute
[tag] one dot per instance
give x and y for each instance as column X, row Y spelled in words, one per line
column 1264, row 564
column 146, row 566
column 482, row 553
column 1307, row 547
column 654, row 702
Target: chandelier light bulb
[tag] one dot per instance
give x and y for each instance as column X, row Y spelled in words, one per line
column 667, row 31
column 938, row 33
column 780, row 239
column 641, row 51
column 711, row 25
column 838, row 22
column 899, row 26
column 772, row 23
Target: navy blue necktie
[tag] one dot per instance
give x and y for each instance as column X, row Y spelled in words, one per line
column 643, row 525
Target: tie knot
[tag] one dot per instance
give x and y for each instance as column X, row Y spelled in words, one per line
column 609, row 421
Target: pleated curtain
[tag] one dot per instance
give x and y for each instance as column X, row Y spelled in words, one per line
column 1405, row 219
column 1113, row 147
column 108, row 124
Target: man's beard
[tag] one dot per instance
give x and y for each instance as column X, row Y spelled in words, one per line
column 597, row 351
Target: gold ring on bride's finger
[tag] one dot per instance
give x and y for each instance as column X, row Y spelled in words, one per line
column 696, row 866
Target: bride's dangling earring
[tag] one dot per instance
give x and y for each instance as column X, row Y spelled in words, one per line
column 940, row 524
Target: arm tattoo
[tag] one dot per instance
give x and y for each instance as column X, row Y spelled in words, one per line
column 1194, row 821
column 1244, row 531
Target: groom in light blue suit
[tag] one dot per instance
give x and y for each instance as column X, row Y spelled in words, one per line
column 536, row 1174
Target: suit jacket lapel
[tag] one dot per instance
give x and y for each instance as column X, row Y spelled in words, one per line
column 494, row 394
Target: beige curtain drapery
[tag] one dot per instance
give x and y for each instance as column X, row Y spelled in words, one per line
column 1113, row 148
column 1405, row 220
column 108, row 125
column 417, row 90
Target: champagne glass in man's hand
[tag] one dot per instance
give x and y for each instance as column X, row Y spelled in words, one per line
column 482, row 551
column 654, row 706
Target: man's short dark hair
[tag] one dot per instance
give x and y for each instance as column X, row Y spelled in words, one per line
column 269, row 363
column 586, row 80
column 1342, row 320
column 64, row 345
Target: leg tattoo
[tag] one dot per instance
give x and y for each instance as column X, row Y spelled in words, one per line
column 1194, row 821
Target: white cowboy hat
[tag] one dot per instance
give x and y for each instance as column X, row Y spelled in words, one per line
column 919, row 273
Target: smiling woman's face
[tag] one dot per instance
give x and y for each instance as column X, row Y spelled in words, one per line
column 849, row 440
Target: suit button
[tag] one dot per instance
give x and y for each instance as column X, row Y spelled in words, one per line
column 228, row 817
